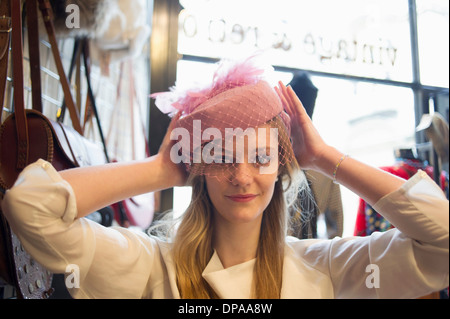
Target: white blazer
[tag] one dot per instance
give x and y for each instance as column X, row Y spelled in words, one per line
column 407, row 262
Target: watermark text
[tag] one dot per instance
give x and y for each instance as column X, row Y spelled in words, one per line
column 211, row 147
column 72, row 277
column 73, row 18
column 373, row 279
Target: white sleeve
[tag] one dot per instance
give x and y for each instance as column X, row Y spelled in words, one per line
column 408, row 262
column 112, row 262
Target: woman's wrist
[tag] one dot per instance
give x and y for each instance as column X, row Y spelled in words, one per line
column 169, row 174
column 329, row 161
column 158, row 172
column 368, row 182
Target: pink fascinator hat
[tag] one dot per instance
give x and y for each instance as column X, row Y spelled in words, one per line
column 239, row 100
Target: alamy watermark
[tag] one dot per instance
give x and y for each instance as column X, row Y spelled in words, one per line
column 73, row 18
column 373, row 279
column 72, row 277
column 211, row 147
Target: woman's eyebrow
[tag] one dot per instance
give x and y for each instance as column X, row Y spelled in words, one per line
column 227, row 152
column 267, row 149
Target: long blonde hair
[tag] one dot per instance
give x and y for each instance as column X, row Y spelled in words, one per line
column 193, row 247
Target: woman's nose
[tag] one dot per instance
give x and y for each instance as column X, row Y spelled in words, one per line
column 241, row 174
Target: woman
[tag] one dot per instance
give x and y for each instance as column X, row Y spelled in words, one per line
column 231, row 242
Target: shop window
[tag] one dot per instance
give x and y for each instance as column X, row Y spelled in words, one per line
column 364, row 38
column 433, row 34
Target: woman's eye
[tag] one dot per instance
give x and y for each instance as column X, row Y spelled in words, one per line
column 223, row 159
column 263, row 159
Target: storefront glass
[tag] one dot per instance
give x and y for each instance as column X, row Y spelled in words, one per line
column 365, row 38
column 433, row 34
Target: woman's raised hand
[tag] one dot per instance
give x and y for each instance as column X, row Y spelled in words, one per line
column 307, row 143
column 313, row 153
column 175, row 172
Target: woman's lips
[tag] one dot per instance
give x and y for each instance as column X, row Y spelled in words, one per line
column 242, row 198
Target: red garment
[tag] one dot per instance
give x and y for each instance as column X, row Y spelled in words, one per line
column 404, row 169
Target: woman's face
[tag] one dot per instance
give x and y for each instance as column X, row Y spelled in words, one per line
column 244, row 189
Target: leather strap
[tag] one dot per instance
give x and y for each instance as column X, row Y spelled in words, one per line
column 81, row 50
column 19, row 105
column 47, row 14
column 17, row 47
column 76, row 53
column 5, row 40
column 87, row 66
column 33, row 48
column 78, row 85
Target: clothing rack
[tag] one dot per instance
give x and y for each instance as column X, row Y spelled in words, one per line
column 426, row 153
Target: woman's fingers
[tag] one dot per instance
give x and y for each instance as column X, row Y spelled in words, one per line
column 177, row 171
column 296, row 103
column 282, row 93
column 282, row 98
column 167, row 141
column 174, row 121
column 290, row 98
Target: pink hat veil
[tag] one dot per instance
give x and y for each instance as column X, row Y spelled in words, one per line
column 238, row 97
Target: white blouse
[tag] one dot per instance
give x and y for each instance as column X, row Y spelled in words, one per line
column 407, row 262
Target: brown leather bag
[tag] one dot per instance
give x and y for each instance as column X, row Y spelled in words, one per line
column 27, row 136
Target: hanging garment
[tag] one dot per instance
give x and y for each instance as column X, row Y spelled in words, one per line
column 436, row 129
column 369, row 220
column 444, row 183
column 325, row 201
column 329, row 203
